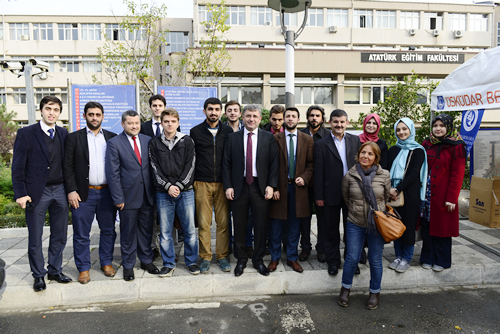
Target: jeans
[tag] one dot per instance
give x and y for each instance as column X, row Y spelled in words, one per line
column 355, row 242
column 404, row 252
column 183, row 205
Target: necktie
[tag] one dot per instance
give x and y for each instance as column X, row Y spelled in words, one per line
column 291, row 159
column 158, row 132
column 51, row 131
column 136, row 150
column 249, row 164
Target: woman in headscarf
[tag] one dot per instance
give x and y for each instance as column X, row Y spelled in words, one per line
column 408, row 169
column 446, row 156
column 371, row 128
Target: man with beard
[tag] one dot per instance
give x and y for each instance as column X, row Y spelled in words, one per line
column 316, row 129
column 88, row 192
column 290, row 203
column 275, row 124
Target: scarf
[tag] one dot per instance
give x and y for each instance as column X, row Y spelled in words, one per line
column 452, row 136
column 399, row 163
column 365, row 136
column 367, row 177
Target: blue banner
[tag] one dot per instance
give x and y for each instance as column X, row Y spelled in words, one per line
column 471, row 120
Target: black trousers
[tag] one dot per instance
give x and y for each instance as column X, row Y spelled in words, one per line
column 331, row 230
column 435, row 250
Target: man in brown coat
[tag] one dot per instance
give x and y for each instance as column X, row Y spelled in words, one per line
column 291, row 200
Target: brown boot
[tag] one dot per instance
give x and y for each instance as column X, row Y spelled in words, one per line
column 372, row 302
column 84, row 277
column 344, row 297
column 108, row 270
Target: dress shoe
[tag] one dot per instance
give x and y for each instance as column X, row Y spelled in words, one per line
column 238, row 270
column 108, row 270
column 273, row 265
column 304, row 255
column 84, row 277
column 357, row 271
column 60, row 278
column 333, row 270
column 372, row 302
column 295, row 266
column 321, row 257
column 344, row 297
column 151, row 268
column 128, row 274
column 39, row 284
column 262, row 269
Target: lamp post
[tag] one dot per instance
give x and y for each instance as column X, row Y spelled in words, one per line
column 290, row 6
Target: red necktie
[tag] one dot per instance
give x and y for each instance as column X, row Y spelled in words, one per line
column 249, row 164
column 136, row 150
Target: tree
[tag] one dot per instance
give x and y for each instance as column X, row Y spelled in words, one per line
column 8, row 129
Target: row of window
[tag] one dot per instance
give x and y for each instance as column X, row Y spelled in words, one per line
column 68, row 64
column 362, row 18
column 19, row 95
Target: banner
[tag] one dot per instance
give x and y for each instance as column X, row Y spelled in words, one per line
column 471, row 120
column 486, row 96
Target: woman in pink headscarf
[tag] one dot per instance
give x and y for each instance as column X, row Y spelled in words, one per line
column 371, row 127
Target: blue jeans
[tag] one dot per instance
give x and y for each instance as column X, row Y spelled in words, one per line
column 183, row 205
column 355, row 242
column 404, row 252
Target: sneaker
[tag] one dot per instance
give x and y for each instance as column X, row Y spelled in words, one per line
column 437, row 268
column 402, row 266
column 394, row 264
column 204, row 266
column 426, row 266
column 194, row 269
column 166, row 272
column 224, row 265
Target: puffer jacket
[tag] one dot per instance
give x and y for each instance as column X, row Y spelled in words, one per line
column 354, row 199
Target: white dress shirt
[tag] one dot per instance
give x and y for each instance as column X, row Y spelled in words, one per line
column 45, row 128
column 153, row 124
column 254, row 150
column 97, row 157
column 341, row 147
column 131, row 141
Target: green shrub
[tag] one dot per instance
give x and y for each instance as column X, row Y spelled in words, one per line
column 6, row 188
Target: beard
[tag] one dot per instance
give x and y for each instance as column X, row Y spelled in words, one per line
column 314, row 127
column 92, row 127
column 288, row 127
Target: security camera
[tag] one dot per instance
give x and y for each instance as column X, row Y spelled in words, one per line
column 12, row 66
column 43, row 65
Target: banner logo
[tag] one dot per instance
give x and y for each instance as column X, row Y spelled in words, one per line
column 440, row 104
column 470, row 119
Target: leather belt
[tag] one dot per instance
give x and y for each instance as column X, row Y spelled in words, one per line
column 98, row 187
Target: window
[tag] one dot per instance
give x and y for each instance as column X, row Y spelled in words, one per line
column 91, row 65
column 139, row 33
column 50, row 60
column 363, row 18
column 19, row 31
column 498, row 33
column 261, row 16
column 236, row 16
column 277, row 95
column 337, row 17
column 433, row 21
column 203, row 14
column 1, row 30
column 19, row 95
column 315, row 17
column 304, row 95
column 68, row 31
column 290, row 19
column 478, row 22
column 385, row 19
column 456, row 21
column 3, row 96
column 43, row 32
column 114, row 33
column 249, row 95
column 410, row 20
column 40, row 93
column 351, row 95
column 176, row 42
column 70, row 64
column 64, row 95
column 91, row 32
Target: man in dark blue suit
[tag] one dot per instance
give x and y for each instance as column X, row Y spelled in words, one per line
column 37, row 178
column 129, row 179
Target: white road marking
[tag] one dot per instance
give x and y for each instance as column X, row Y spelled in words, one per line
column 296, row 316
column 77, row 310
column 258, row 310
column 184, row 306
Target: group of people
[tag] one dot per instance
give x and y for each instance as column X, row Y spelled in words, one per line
column 264, row 184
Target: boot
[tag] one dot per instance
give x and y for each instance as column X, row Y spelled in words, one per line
column 344, row 297
column 372, row 302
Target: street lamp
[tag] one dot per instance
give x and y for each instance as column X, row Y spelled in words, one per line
column 290, row 6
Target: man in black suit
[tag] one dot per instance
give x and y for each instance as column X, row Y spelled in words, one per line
column 153, row 127
column 38, row 182
column 334, row 155
column 88, row 192
column 250, row 175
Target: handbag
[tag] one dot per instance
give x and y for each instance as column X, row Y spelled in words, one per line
column 400, row 201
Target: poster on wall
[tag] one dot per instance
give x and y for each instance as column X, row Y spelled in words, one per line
column 114, row 99
column 188, row 101
column 485, row 156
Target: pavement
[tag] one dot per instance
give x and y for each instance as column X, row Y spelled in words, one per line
column 472, row 264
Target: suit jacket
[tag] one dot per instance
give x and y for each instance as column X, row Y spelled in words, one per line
column 31, row 161
column 76, row 162
column 303, row 168
column 147, row 128
column 328, row 168
column 127, row 179
column 233, row 165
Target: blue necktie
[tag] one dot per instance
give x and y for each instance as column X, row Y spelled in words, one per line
column 158, row 132
column 51, row 131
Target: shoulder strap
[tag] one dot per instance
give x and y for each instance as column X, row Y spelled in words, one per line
column 407, row 163
column 364, row 194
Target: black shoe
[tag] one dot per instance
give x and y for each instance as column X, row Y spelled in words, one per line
column 60, row 278
column 304, row 255
column 238, row 270
column 128, row 274
column 156, row 253
column 39, row 284
column 333, row 270
column 322, row 257
column 357, row 271
column 151, row 268
column 262, row 269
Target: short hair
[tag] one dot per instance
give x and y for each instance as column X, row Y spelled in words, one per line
column 93, row 104
column 338, row 113
column 157, row 97
column 231, row 103
column 277, row 109
column 50, row 98
column 131, row 113
column 292, row 109
column 315, row 107
column 251, row 107
column 211, row 100
column 374, row 146
column 169, row 112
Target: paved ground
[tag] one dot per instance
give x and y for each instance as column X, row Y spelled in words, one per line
column 472, row 265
